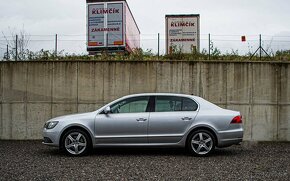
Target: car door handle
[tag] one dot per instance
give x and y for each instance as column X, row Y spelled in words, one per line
column 186, row 119
column 141, row 120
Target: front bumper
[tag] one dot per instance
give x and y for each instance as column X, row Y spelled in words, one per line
column 50, row 137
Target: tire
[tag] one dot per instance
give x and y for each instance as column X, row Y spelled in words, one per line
column 201, row 143
column 76, row 142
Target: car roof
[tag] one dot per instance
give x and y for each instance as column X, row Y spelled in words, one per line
column 160, row 94
column 204, row 104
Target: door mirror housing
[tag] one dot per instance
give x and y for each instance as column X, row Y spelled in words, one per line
column 107, row 110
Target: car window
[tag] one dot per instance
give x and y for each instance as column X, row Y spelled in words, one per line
column 174, row 103
column 189, row 105
column 131, row 105
column 167, row 104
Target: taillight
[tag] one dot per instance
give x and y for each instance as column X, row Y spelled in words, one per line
column 237, row 120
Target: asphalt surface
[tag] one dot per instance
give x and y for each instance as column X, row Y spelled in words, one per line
column 30, row 160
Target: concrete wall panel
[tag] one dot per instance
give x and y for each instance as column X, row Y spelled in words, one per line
column 203, row 81
column 116, row 80
column 6, row 126
column 65, row 82
column 284, row 123
column 216, row 82
column 19, row 123
column 82, row 108
column 151, row 70
column 285, row 84
column 1, row 121
column 264, row 123
column 14, row 124
column 142, row 78
column 14, row 81
column 1, row 80
column 239, row 81
column 163, row 77
column 37, row 115
column 86, row 83
column 187, row 79
column 39, row 82
column 63, row 109
column 195, row 78
column 264, row 84
column 176, row 77
column 99, row 82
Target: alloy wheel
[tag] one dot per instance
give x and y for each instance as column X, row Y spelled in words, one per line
column 75, row 143
column 202, row 143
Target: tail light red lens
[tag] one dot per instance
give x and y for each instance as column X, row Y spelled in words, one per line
column 237, row 120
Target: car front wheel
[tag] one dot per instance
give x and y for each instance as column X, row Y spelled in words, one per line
column 76, row 142
column 201, row 143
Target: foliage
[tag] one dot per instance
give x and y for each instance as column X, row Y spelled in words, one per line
column 176, row 53
column 148, row 55
column 141, row 55
column 283, row 55
column 22, row 42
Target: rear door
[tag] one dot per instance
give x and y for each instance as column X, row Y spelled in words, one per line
column 171, row 118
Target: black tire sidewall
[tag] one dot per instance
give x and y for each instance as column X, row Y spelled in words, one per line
column 191, row 151
column 88, row 139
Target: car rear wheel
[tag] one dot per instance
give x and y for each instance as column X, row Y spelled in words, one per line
column 76, row 142
column 201, row 143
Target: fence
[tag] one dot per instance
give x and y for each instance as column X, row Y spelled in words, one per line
column 76, row 44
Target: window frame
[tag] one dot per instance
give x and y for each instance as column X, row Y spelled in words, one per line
column 136, row 97
column 182, row 99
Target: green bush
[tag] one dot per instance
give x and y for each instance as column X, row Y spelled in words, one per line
column 141, row 55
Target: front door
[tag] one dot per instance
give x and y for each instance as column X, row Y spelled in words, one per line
column 126, row 124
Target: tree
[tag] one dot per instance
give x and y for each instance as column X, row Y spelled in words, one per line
column 20, row 40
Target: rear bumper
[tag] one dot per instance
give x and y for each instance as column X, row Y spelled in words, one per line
column 230, row 137
column 229, row 142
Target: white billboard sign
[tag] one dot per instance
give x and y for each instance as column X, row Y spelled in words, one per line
column 105, row 24
column 182, row 33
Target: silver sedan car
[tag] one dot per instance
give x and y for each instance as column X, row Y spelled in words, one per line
column 155, row 119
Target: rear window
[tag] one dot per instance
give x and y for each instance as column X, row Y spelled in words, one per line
column 189, row 105
column 174, row 103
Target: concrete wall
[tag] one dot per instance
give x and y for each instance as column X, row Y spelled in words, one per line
column 33, row 92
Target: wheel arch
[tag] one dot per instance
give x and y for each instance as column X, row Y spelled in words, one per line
column 76, row 126
column 203, row 127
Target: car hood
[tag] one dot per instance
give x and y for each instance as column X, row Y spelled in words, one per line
column 74, row 117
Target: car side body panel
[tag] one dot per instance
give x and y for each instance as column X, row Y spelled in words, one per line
column 121, row 128
column 169, row 127
column 156, row 128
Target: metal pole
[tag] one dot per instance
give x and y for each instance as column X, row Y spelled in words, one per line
column 16, row 48
column 208, row 46
column 158, row 45
column 55, row 45
column 260, row 47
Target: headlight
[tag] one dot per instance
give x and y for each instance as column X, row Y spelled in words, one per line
column 50, row 125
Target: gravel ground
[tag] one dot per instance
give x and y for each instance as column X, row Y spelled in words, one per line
column 30, row 160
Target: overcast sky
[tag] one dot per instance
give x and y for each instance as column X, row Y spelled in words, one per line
column 222, row 17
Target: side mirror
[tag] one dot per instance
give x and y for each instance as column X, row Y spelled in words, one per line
column 107, row 110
